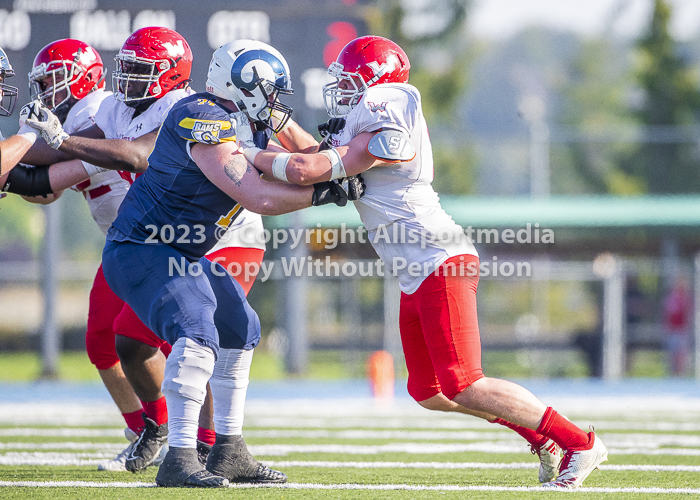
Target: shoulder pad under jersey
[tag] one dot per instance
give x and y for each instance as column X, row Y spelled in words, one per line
column 392, row 146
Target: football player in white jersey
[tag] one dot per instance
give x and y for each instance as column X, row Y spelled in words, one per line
column 385, row 138
column 68, row 78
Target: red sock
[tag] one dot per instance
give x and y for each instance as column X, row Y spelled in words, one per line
column 530, row 436
column 563, row 432
column 206, row 436
column 156, row 410
column 134, row 421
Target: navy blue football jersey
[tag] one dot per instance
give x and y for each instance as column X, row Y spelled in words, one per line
column 173, row 202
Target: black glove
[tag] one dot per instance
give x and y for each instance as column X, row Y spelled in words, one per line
column 332, row 126
column 329, row 192
column 355, row 187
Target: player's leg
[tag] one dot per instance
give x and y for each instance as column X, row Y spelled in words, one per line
column 143, row 363
column 99, row 342
column 423, row 381
column 239, row 332
column 178, row 307
column 449, row 320
column 243, row 263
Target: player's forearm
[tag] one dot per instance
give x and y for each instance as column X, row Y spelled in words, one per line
column 278, row 199
column 42, row 154
column 12, row 150
column 67, row 174
column 112, row 154
column 296, row 168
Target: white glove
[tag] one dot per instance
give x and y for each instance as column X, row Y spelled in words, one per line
column 48, row 125
column 29, row 110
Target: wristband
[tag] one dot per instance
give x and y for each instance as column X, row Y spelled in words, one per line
column 279, row 166
column 28, row 133
column 251, row 153
column 337, row 167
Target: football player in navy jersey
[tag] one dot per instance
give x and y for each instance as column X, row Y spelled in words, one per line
column 196, row 183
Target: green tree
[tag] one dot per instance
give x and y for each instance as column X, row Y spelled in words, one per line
column 671, row 101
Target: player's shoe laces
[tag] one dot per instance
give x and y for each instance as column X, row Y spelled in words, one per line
column 148, row 446
column 230, row 458
column 203, row 450
column 550, row 455
column 117, row 463
column 181, row 469
column 578, row 464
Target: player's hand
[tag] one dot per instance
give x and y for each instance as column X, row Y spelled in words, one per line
column 331, row 127
column 30, row 110
column 355, row 186
column 244, row 134
column 48, row 125
column 329, row 192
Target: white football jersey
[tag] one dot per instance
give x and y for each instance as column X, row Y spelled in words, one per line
column 246, row 231
column 406, row 225
column 104, row 191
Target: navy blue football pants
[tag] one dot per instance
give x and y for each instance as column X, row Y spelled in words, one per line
column 176, row 298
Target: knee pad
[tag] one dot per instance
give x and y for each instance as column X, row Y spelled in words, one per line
column 187, row 371
column 100, row 348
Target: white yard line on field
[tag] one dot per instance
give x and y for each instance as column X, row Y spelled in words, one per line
column 466, row 465
column 366, row 487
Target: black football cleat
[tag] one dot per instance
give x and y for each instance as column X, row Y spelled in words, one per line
column 231, row 459
column 148, row 446
column 203, row 450
column 181, row 469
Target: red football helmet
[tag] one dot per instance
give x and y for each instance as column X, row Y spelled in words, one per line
column 364, row 62
column 152, row 62
column 65, row 64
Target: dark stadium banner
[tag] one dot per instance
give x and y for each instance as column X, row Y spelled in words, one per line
column 309, row 33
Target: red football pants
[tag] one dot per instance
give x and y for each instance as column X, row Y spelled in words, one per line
column 109, row 315
column 440, row 331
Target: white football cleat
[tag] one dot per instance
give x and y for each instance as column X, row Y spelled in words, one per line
column 117, row 464
column 577, row 465
column 550, row 455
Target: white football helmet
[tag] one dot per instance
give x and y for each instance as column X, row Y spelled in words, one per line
column 252, row 74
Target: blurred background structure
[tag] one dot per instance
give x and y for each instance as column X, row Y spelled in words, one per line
column 578, row 119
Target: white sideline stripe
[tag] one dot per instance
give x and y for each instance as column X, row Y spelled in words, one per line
column 66, row 445
column 437, row 448
column 368, row 487
column 89, row 459
column 468, row 465
column 62, row 432
column 614, row 440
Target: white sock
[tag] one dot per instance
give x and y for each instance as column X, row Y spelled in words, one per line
column 187, row 371
column 229, row 385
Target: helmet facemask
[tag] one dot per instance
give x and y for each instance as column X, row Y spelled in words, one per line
column 62, row 77
column 9, row 93
column 265, row 97
column 342, row 95
column 140, row 74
